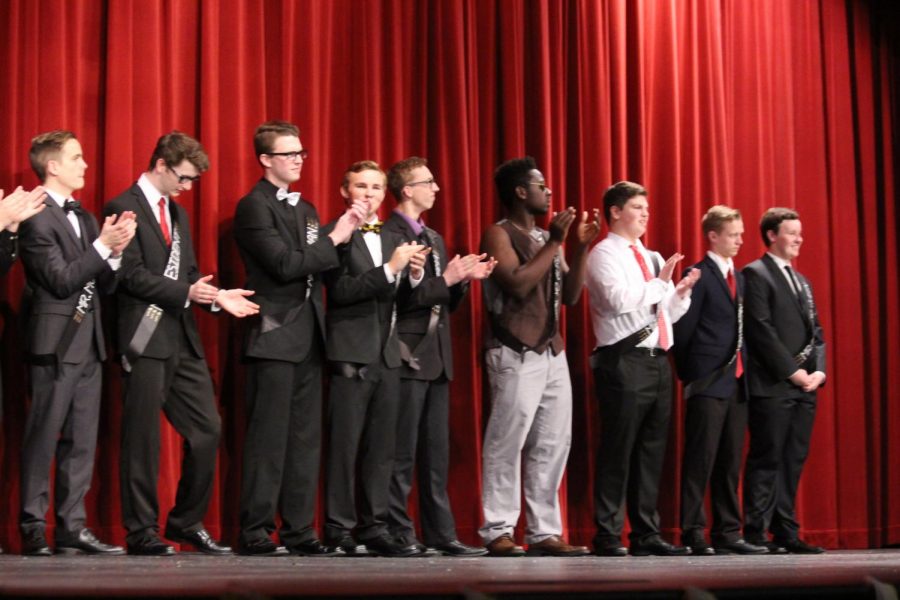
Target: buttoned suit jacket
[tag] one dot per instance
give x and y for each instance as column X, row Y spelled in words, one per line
column 142, row 282
column 360, row 304
column 707, row 334
column 58, row 264
column 777, row 327
column 415, row 308
column 272, row 238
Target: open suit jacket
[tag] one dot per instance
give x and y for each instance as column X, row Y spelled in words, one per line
column 271, row 236
column 415, row 304
column 778, row 327
column 360, row 304
column 143, row 283
column 706, row 336
column 58, row 265
column 8, row 249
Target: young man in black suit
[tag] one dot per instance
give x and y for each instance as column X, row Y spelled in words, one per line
column 162, row 354
column 15, row 208
column 364, row 356
column 284, row 255
column 436, row 286
column 710, row 358
column 787, row 366
column 68, row 261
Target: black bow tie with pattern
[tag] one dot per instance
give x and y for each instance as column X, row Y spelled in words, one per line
column 372, row 227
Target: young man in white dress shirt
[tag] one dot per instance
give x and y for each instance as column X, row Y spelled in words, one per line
column 633, row 305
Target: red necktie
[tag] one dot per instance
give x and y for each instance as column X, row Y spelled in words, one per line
column 163, row 224
column 732, row 287
column 660, row 319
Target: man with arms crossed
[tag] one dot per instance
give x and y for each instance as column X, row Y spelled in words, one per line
column 710, row 358
column 67, row 263
column 162, row 354
column 284, row 255
column 787, row 366
column 364, row 358
column 632, row 312
column 423, row 326
column 531, row 393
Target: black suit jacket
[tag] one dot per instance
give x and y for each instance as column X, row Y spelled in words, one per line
column 777, row 327
column 271, row 237
column 58, row 264
column 706, row 335
column 9, row 248
column 415, row 306
column 360, row 304
column 142, row 282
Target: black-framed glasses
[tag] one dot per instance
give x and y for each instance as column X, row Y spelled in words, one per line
column 184, row 178
column 541, row 185
column 428, row 182
column 294, row 155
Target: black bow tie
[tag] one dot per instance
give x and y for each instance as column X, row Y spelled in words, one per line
column 70, row 205
column 373, row 227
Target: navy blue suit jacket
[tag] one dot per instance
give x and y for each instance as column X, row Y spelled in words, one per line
column 706, row 336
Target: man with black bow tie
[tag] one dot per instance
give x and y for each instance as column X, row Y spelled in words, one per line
column 787, row 366
column 711, row 361
column 284, row 255
column 436, row 286
column 162, row 355
column 364, row 356
column 67, row 263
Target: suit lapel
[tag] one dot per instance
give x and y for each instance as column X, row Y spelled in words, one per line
column 717, row 275
column 361, row 249
column 62, row 220
column 785, row 287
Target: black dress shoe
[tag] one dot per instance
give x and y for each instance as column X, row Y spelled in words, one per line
column 150, row 546
column 740, row 547
column 315, row 548
column 701, row 548
column 201, row 541
column 612, row 548
column 351, row 548
column 798, row 546
column 261, row 547
column 383, row 545
column 35, row 544
column 771, row 547
column 457, row 548
column 657, row 547
column 85, row 542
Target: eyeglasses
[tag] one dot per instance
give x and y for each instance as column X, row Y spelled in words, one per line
column 184, row 178
column 301, row 154
column 428, row 182
column 541, row 185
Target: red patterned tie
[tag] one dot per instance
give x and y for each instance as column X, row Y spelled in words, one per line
column 732, row 287
column 163, row 224
column 660, row 318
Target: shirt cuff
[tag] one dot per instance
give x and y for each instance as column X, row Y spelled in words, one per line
column 387, row 272
column 115, row 263
column 101, row 249
column 415, row 282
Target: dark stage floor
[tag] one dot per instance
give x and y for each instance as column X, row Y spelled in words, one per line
column 838, row 574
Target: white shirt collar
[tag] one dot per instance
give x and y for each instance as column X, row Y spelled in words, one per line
column 779, row 261
column 60, row 200
column 725, row 264
column 150, row 192
column 623, row 242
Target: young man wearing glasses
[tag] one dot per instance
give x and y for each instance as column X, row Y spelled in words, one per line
column 162, row 353
column 531, row 393
column 436, row 286
column 284, row 254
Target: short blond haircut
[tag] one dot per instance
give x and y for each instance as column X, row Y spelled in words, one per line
column 717, row 216
column 359, row 167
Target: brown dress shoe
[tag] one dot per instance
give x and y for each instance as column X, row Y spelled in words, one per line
column 556, row 546
column 504, row 546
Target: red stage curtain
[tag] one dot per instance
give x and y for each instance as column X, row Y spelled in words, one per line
column 752, row 104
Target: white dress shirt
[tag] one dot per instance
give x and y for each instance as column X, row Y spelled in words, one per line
column 621, row 301
column 153, row 195
column 104, row 252
column 781, row 267
column 725, row 264
column 373, row 243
